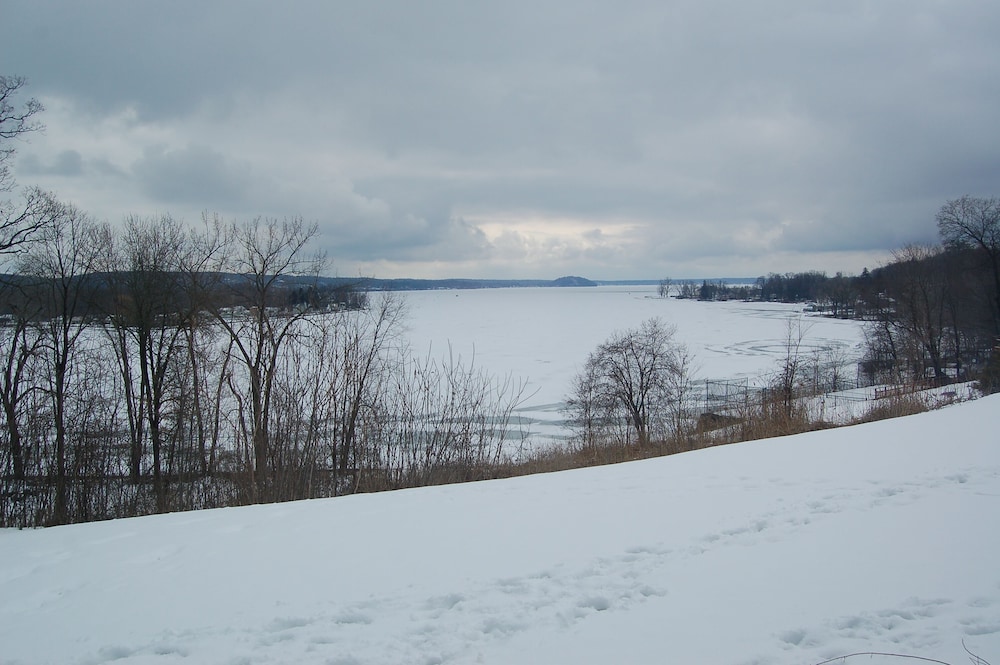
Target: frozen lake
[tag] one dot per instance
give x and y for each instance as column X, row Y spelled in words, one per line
column 543, row 335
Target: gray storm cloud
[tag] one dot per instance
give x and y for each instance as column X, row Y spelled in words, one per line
column 629, row 139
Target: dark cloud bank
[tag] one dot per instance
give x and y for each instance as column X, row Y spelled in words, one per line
column 632, row 139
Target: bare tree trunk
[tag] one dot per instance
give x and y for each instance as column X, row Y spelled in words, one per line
column 264, row 252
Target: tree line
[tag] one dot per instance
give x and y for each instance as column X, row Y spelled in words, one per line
column 932, row 317
column 789, row 287
column 932, row 312
column 159, row 366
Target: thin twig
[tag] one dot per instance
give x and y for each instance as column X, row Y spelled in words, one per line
column 976, row 660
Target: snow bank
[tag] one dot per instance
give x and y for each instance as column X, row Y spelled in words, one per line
column 882, row 537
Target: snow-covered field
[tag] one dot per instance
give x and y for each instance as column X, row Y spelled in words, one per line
column 880, row 537
column 544, row 335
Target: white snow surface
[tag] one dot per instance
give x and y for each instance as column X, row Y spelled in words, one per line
column 879, row 537
column 542, row 336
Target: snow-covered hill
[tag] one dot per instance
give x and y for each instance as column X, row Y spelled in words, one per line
column 882, row 537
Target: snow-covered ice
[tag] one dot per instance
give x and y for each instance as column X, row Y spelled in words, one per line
column 543, row 336
column 879, row 537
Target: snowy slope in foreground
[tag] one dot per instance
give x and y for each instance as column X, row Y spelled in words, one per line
column 883, row 537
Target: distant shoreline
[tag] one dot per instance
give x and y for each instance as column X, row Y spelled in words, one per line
column 408, row 284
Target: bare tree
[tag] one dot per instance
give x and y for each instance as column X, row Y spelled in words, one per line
column 680, row 385
column 590, row 406
column 841, row 294
column 975, row 222
column 663, row 288
column 20, row 342
column 634, row 377
column 15, row 122
column 364, row 359
column 791, row 368
column 198, row 283
column 57, row 266
column 261, row 318
column 17, row 223
column 147, row 320
column 918, row 324
column 439, row 421
column 921, row 317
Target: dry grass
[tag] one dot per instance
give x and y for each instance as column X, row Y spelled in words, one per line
column 757, row 422
column 895, row 407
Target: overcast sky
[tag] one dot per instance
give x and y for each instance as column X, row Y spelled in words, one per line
column 626, row 139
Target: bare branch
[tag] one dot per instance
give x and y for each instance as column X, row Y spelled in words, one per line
column 14, row 123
